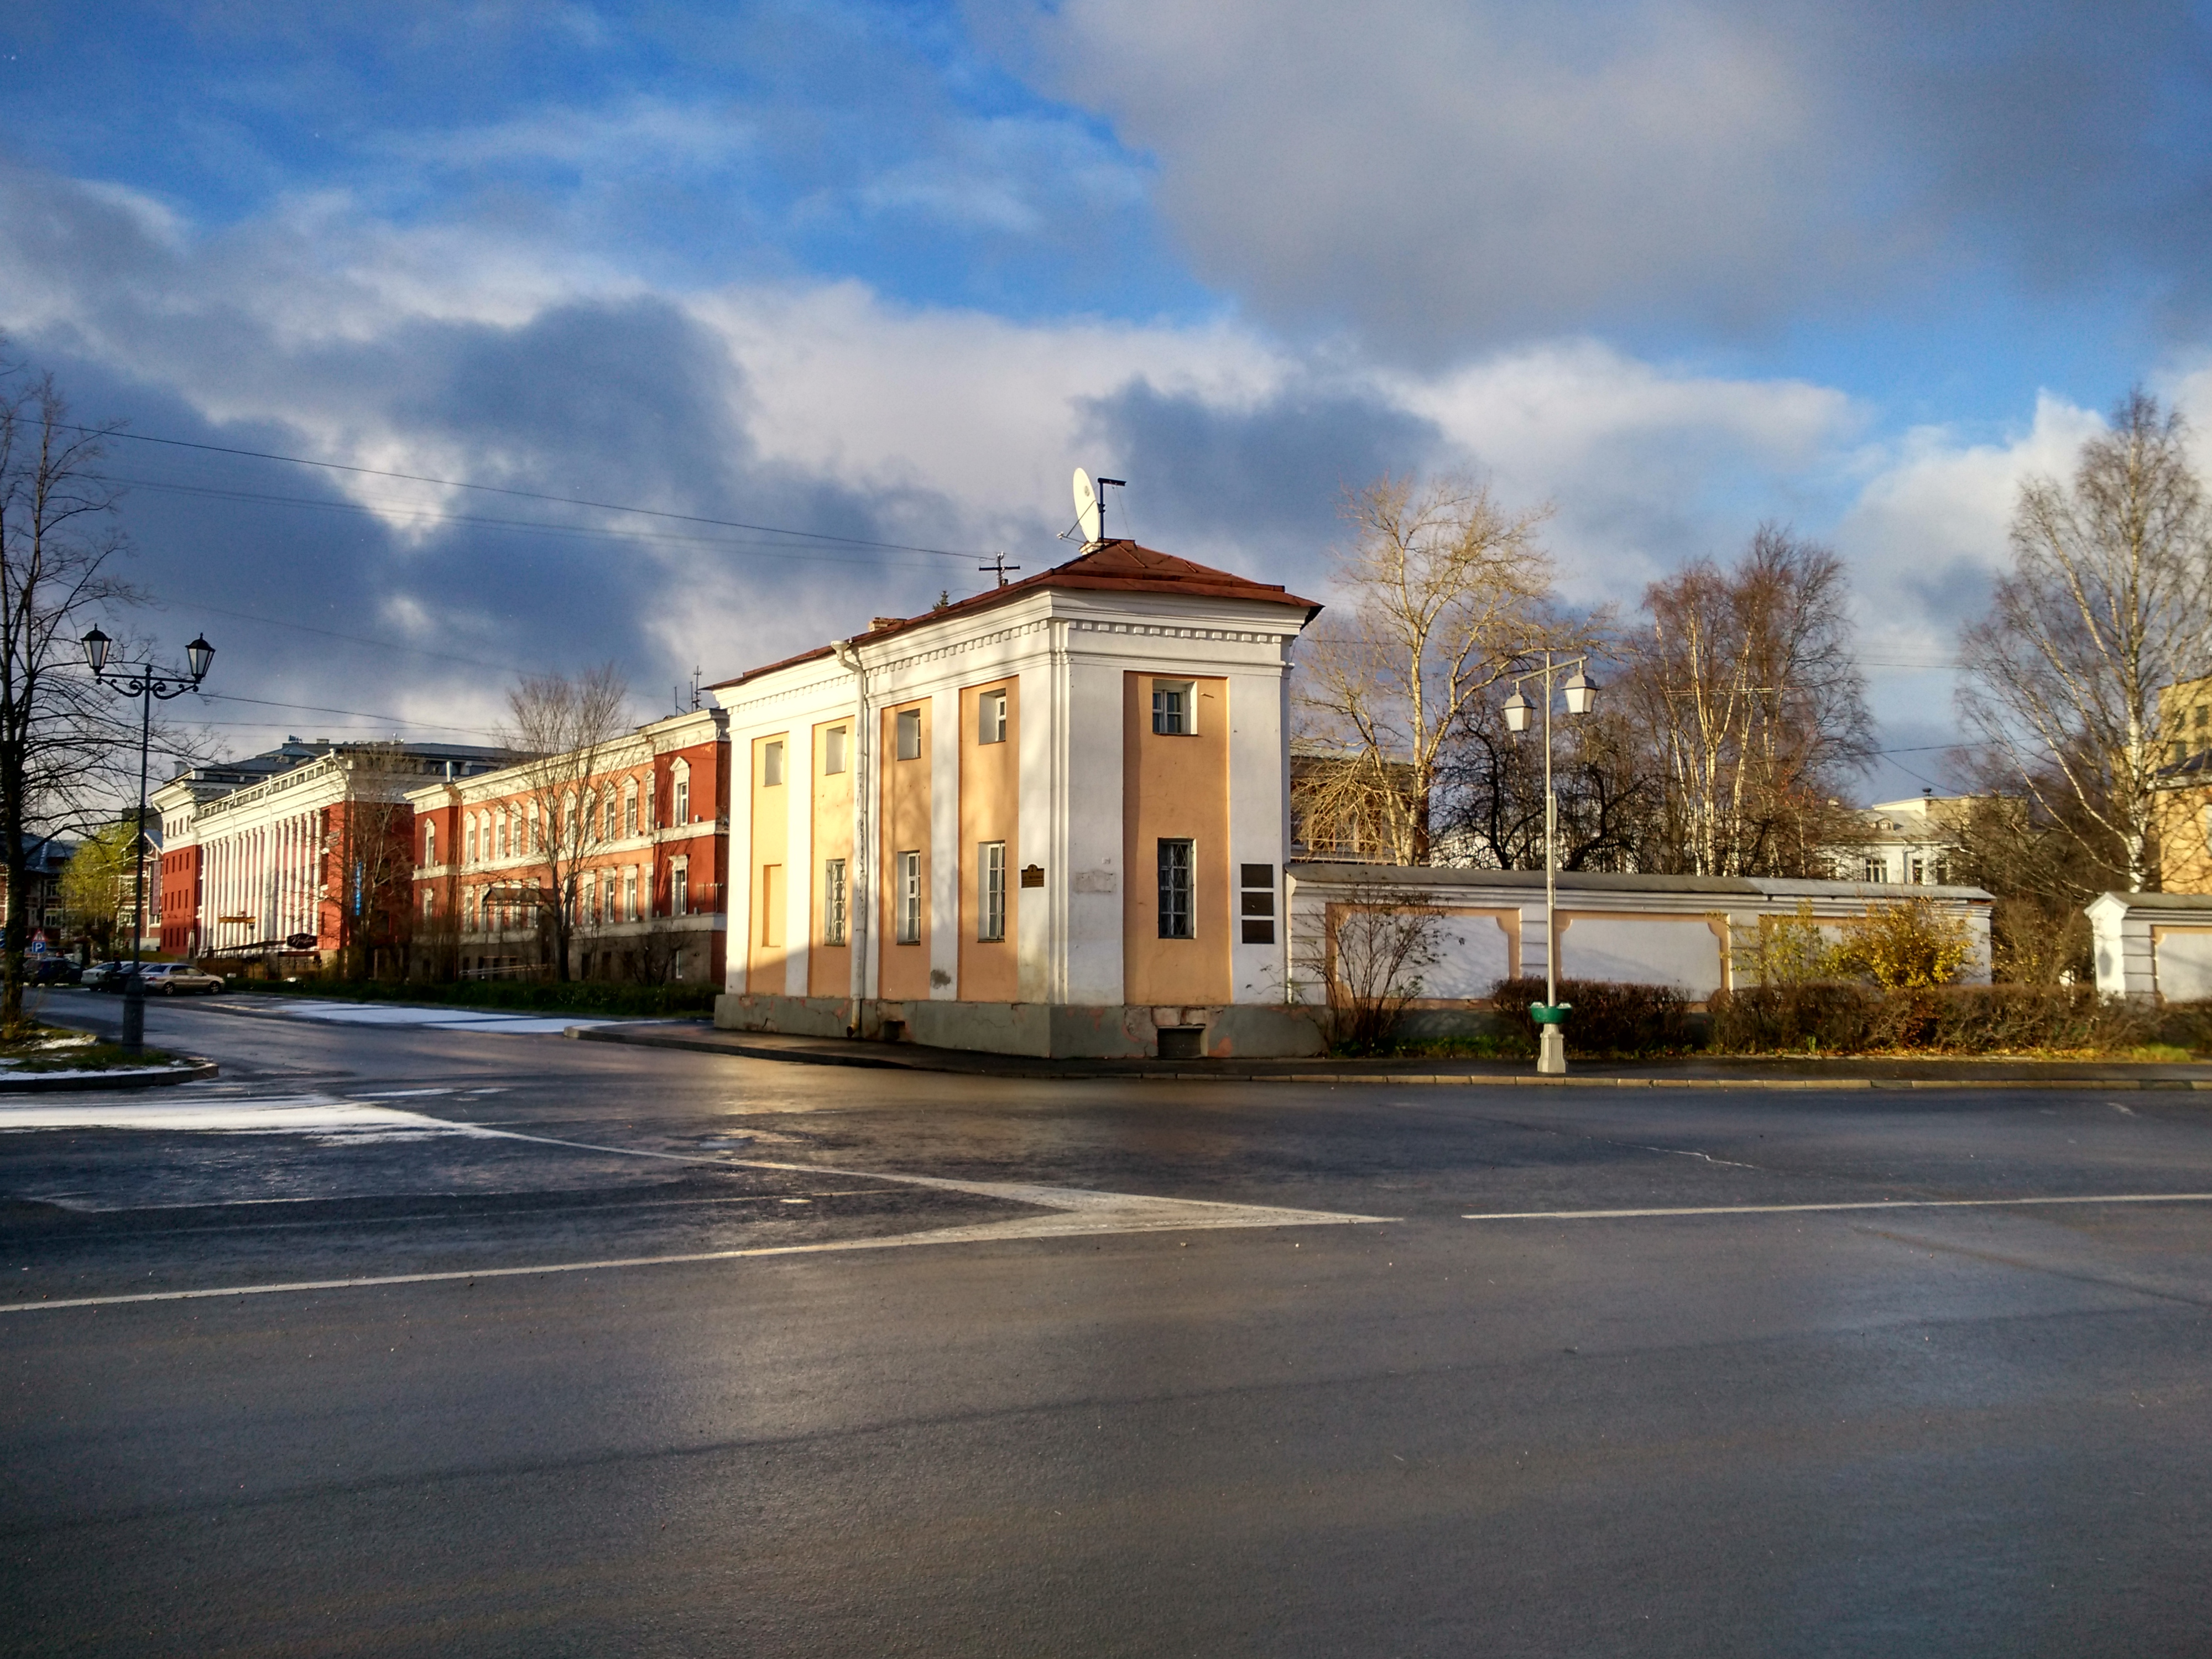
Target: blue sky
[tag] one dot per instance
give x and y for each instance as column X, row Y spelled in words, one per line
column 886, row 272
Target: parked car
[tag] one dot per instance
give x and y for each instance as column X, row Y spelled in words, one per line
column 105, row 975
column 170, row 979
column 55, row 970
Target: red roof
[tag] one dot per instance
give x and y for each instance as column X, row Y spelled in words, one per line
column 1108, row 567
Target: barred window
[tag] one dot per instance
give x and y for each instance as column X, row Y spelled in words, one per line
column 910, row 898
column 833, row 901
column 1176, row 906
column 991, row 888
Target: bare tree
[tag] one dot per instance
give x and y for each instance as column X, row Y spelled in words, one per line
column 59, row 730
column 1750, row 698
column 2109, row 598
column 371, row 852
column 1447, row 587
column 567, row 725
column 1370, row 959
column 1493, row 790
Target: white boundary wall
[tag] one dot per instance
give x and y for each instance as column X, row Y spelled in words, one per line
column 2152, row 944
column 1681, row 931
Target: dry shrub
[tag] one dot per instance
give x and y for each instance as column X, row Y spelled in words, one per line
column 1909, row 943
column 1846, row 1018
column 1608, row 1017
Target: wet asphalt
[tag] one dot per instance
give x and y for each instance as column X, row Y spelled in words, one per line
column 1951, row 1429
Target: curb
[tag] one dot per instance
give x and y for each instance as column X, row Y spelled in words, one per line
column 33, row 1083
column 1107, row 1070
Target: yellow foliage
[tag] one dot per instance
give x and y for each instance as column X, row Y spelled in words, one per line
column 1909, row 943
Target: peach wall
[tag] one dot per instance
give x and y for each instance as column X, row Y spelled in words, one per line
column 1175, row 786
column 903, row 969
column 990, row 810
column 830, row 967
column 771, row 823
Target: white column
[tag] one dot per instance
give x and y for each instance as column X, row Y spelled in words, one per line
column 946, row 852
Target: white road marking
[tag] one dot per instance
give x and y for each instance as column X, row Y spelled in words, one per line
column 1865, row 1204
column 1078, row 1214
column 1071, row 1211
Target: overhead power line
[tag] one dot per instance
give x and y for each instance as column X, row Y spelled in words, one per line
column 521, row 495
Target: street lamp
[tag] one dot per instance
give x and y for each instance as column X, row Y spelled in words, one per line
column 145, row 681
column 1578, row 693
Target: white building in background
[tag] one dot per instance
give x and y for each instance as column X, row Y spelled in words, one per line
column 1050, row 819
column 1911, row 842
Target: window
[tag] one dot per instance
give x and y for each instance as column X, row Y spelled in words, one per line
column 1175, row 889
column 1173, row 711
column 536, row 831
column 771, row 765
column 991, row 717
column 991, row 889
column 833, row 901
column 833, row 751
column 613, row 823
column 629, row 893
column 502, row 835
column 429, row 843
column 909, row 866
column 681, row 779
column 908, row 726
column 651, row 800
column 429, row 905
column 679, row 887
column 1257, row 906
column 630, row 811
column 592, row 899
column 469, row 909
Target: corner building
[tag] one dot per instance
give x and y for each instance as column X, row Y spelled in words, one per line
column 1051, row 819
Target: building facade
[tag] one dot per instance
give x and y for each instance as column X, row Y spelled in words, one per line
column 1911, row 842
column 1051, row 819
column 302, row 852
column 630, row 837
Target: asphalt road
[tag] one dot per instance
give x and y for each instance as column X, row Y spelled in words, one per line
column 882, row 1378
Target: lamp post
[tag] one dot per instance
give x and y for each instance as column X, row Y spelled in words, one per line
column 1578, row 693
column 145, row 681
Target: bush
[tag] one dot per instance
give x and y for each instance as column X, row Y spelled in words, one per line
column 1609, row 1018
column 1843, row 1016
column 1908, row 944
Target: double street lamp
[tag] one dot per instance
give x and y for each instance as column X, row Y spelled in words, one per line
column 1578, row 693
column 145, row 681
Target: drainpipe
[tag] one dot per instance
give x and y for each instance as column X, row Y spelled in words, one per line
column 859, row 904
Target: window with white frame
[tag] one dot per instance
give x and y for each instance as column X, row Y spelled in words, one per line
column 833, row 751
column 629, row 894
column 613, row 822
column 592, row 899
column 536, row 831
column 502, row 833
column 1176, row 911
column 429, row 843
column 469, row 909
column 679, row 887
column 651, row 800
column 680, row 783
column 429, row 905
column 1174, row 709
column 833, row 901
column 907, row 730
column 469, row 838
column 991, row 891
column 908, row 876
column 991, row 717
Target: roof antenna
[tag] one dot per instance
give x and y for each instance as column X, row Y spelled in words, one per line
column 1090, row 509
column 998, row 568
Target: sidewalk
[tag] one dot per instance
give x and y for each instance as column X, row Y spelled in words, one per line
column 1698, row 1072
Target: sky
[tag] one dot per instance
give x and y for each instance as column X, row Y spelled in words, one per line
column 744, row 323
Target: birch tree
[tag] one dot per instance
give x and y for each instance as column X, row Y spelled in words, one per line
column 60, row 731
column 2108, row 599
column 1749, row 692
column 1447, row 587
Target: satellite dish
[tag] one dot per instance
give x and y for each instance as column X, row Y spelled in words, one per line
column 1088, row 519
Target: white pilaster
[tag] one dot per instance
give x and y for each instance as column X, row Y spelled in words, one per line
column 946, row 852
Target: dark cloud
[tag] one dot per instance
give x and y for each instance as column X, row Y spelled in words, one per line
column 1273, row 476
column 1438, row 174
